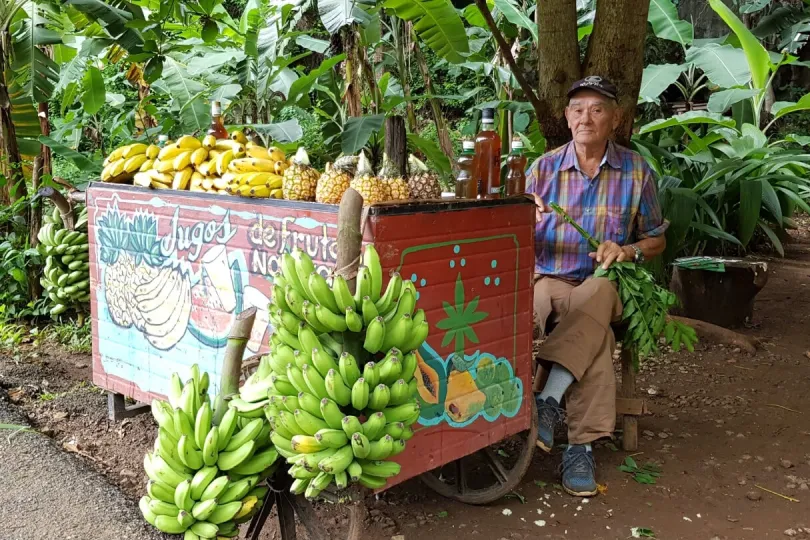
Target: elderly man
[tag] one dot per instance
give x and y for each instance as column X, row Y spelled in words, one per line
column 611, row 192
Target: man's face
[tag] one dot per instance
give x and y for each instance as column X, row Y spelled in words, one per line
column 591, row 117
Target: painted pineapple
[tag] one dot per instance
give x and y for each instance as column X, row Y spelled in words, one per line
column 332, row 184
column 300, row 179
column 131, row 253
column 396, row 186
column 423, row 184
column 367, row 184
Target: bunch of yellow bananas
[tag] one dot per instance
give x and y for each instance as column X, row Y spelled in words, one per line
column 257, row 174
column 124, row 162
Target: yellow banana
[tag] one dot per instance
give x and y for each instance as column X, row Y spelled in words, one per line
column 275, row 182
column 251, row 178
column 133, row 150
column 228, row 144
column 169, row 152
column 141, row 179
column 181, row 178
column 276, row 194
column 198, row 156
column 198, row 189
column 158, row 185
column 207, row 167
column 259, row 192
column 223, row 161
column 163, row 166
column 146, row 165
column 158, row 176
column 196, row 179
column 280, row 167
column 276, row 154
column 209, row 142
column 105, row 173
column 182, row 160
column 243, row 191
column 256, row 151
column 239, row 136
column 207, row 184
column 118, row 168
column 188, row 142
column 219, row 182
column 152, row 151
column 116, row 154
column 134, row 163
column 252, row 165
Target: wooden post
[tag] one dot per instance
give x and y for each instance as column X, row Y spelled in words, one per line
column 64, row 206
column 628, row 390
column 232, row 364
column 396, row 146
column 350, row 237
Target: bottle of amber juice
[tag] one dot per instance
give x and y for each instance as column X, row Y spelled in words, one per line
column 488, row 158
column 466, row 188
column 516, row 169
column 217, row 128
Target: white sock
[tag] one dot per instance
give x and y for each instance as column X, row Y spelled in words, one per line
column 586, row 445
column 558, row 382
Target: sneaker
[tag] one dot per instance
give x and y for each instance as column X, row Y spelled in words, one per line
column 579, row 471
column 549, row 415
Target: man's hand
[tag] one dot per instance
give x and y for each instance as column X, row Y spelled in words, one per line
column 609, row 252
column 541, row 207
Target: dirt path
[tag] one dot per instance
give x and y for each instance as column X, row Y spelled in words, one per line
column 721, row 423
column 47, row 494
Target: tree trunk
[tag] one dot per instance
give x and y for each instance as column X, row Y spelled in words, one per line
column 441, row 128
column 396, row 143
column 400, row 30
column 558, row 64
column 616, row 52
column 15, row 187
column 352, row 71
column 34, row 286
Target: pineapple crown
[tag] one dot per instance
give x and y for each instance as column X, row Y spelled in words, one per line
column 113, row 234
column 416, row 165
column 143, row 239
column 389, row 168
column 347, row 164
column 301, row 157
column 364, row 166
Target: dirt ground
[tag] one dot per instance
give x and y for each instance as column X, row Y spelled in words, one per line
column 730, row 433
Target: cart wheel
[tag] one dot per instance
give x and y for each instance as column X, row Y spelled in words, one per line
column 490, row 473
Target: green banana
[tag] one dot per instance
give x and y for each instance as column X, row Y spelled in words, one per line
column 300, row 485
column 295, row 300
column 310, row 461
column 418, row 334
column 309, row 423
column 354, row 322
column 381, row 449
column 205, row 529
column 281, row 442
column 374, row 426
column 202, row 424
column 354, row 470
column 210, row 450
column 409, row 364
column 229, row 460
column 314, row 488
column 203, row 509
column 309, row 403
column 306, row 444
column 351, row 425
column 342, row 294
column 375, row 334
column 288, row 320
column 296, row 378
column 401, row 413
column 337, row 462
column 290, row 273
column 287, row 421
column 360, row 394
column 386, row 301
column 322, row 294
column 331, row 413
column 311, row 318
column 394, row 429
column 258, row 462
column 371, row 482
column 360, row 445
column 182, row 424
column 406, row 303
column 160, row 508
column 390, row 371
column 296, row 471
column 163, row 472
column 278, row 298
column 397, row 332
column 224, row 512
column 169, row 525
column 349, row 369
column 143, row 504
column 160, row 491
column 341, row 480
column 228, row 529
column 371, row 259
column 379, row 398
column 363, row 285
column 201, row 480
column 248, row 433
column 397, row 448
column 332, row 321
column 315, row 384
column 288, row 402
column 189, row 455
column 332, row 344
column 400, row 393
column 371, row 374
column 381, row 469
column 407, row 433
column 332, row 438
column 308, row 340
column 187, row 401
column 288, row 338
column 337, row 389
column 226, row 428
column 182, row 495
column 281, row 384
column 323, row 361
column 237, row 490
column 215, row 488
column 303, row 269
column 369, row 310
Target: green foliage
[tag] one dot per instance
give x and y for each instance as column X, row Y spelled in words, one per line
column 646, row 474
column 74, row 337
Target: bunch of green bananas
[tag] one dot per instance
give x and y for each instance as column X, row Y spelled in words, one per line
column 205, row 479
column 338, row 385
column 66, row 276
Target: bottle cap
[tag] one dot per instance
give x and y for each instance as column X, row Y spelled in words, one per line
column 163, row 138
column 517, row 144
column 468, row 145
column 216, row 108
column 488, row 114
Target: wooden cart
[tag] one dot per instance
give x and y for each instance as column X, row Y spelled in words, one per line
column 171, row 269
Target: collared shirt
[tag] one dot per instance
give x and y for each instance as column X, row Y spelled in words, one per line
column 620, row 204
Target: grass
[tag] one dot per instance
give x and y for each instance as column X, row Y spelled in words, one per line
column 77, row 339
column 11, row 335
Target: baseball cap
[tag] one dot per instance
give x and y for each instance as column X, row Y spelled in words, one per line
column 595, row 83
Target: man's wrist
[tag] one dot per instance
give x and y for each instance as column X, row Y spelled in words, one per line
column 633, row 252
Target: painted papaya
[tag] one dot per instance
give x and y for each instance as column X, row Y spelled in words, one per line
column 427, row 381
column 464, row 400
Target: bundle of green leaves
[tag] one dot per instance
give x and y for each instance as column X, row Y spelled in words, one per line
column 645, row 303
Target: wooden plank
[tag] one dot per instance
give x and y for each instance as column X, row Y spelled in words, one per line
column 628, row 390
column 631, row 406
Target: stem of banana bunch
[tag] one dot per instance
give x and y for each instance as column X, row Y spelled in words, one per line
column 349, row 243
column 232, row 363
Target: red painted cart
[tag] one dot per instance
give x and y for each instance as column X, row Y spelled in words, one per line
column 208, row 257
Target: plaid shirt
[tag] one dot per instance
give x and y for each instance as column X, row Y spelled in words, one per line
column 620, row 204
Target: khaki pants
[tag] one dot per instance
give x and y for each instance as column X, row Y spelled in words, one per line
column 583, row 343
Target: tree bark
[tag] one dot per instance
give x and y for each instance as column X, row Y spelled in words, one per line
column 441, row 128
column 616, row 52
column 15, row 187
column 34, row 222
column 352, row 71
column 396, row 143
column 558, row 64
column 400, row 30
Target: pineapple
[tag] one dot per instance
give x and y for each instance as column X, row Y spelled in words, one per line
column 332, row 184
column 131, row 253
column 423, row 184
column 396, row 186
column 366, row 184
column 300, row 179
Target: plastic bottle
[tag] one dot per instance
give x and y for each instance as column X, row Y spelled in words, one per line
column 516, row 169
column 163, row 140
column 466, row 188
column 217, row 128
column 487, row 160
